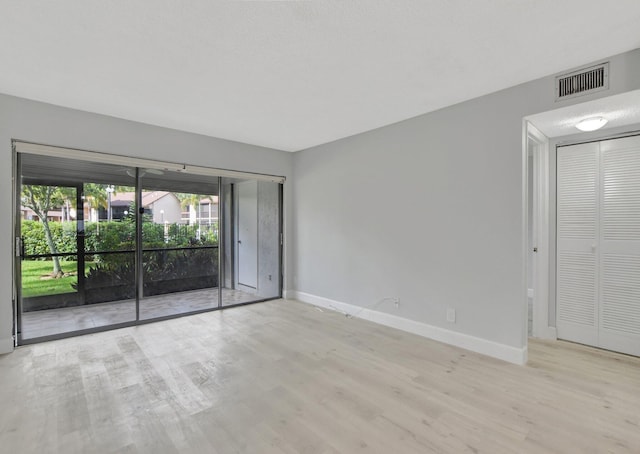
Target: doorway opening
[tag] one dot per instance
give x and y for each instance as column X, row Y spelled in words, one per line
column 553, row 130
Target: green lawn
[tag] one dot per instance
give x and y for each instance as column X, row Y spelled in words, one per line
column 36, row 280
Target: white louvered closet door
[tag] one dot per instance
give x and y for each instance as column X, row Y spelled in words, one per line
column 620, row 251
column 577, row 236
column 598, row 261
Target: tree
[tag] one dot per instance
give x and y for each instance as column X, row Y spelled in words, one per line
column 95, row 194
column 189, row 201
column 41, row 199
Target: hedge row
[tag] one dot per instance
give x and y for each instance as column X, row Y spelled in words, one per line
column 112, row 236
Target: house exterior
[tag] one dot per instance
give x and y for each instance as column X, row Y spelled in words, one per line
column 53, row 215
column 162, row 206
column 205, row 213
column 166, row 207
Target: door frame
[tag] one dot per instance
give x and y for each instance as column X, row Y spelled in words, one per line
column 541, row 228
column 546, row 224
column 19, row 147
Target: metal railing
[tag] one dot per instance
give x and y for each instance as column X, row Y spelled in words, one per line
column 121, row 251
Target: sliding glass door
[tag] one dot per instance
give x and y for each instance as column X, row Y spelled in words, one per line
column 101, row 245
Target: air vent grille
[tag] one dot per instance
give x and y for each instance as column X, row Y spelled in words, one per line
column 582, row 82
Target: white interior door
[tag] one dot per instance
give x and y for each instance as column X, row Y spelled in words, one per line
column 598, row 262
column 577, row 233
column 620, row 240
column 247, row 193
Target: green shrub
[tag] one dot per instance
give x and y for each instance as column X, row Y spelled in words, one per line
column 35, row 241
column 164, row 272
column 114, row 236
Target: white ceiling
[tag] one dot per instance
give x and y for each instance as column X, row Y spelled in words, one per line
column 294, row 74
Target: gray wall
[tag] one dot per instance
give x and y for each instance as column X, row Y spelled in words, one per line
column 53, row 125
column 451, row 183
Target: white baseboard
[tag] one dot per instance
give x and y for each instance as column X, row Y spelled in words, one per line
column 475, row 344
column 6, row 345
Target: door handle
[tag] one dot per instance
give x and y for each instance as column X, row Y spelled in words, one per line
column 19, row 247
column 239, row 241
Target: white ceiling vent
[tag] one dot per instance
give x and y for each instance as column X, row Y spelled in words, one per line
column 582, row 82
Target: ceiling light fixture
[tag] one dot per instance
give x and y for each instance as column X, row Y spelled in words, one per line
column 591, row 124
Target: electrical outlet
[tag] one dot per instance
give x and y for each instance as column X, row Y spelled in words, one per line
column 451, row 315
column 269, row 277
column 396, row 301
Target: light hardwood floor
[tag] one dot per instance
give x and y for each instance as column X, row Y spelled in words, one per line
column 286, row 377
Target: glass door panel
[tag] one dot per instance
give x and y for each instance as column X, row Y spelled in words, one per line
column 49, row 257
column 251, row 240
column 70, row 278
column 110, row 251
column 179, row 244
